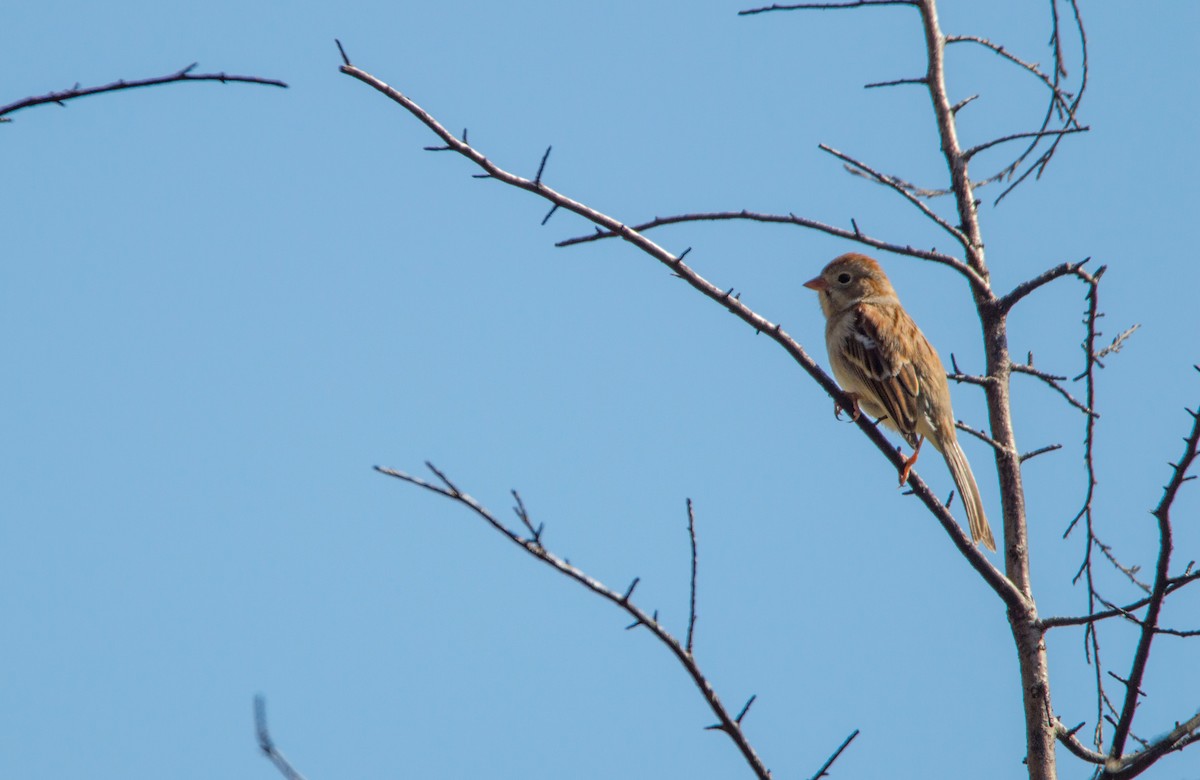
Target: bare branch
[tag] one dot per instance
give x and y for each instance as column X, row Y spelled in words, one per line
column 895, row 83
column 1000, row 584
column 1039, row 451
column 1066, row 114
column 891, row 181
column 1052, row 381
column 957, row 375
column 823, row 6
column 963, row 103
column 1162, row 513
column 1031, row 67
column 62, row 96
column 1057, row 272
column 746, row 708
column 691, row 626
column 1130, row 572
column 1117, row 343
column 727, row 723
column 787, row 219
column 1038, row 134
column 1071, row 742
column 1183, row 633
column 542, row 167
column 978, row 434
column 824, row 770
column 267, row 745
column 1178, row 738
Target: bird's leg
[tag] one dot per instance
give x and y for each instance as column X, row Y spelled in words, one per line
column 854, row 410
column 909, row 461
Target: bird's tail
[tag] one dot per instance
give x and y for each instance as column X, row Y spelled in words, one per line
column 960, row 469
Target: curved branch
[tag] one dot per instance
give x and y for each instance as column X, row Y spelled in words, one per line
column 855, row 234
column 727, row 723
column 183, row 75
column 267, row 745
column 1066, row 114
column 1071, row 742
column 1038, row 134
column 1032, row 67
column 1057, row 272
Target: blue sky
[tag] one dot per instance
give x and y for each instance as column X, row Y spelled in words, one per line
column 225, row 304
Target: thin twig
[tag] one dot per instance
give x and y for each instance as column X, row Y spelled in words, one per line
column 62, row 96
column 824, row 770
column 1031, row 67
column 1038, row 134
column 919, row 81
column 1040, row 451
column 1057, row 622
column 267, row 745
column 786, row 219
column 1057, row 272
column 823, row 6
column 978, row 434
column 1071, row 742
column 1053, row 381
column 691, row 626
column 1054, row 108
column 890, row 181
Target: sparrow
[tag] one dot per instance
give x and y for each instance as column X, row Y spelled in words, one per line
column 887, row 366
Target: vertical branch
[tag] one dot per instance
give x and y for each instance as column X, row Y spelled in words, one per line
column 1162, row 513
column 1091, row 637
column 960, row 182
column 1027, row 632
column 691, row 629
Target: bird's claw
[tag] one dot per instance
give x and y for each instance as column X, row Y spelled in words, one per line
column 854, row 411
column 906, row 469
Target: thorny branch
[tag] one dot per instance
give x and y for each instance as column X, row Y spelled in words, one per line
column 727, row 723
column 1162, row 514
column 1092, row 542
column 185, row 74
column 1005, row 589
column 1059, row 121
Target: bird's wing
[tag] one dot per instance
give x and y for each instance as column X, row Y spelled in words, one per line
column 874, row 354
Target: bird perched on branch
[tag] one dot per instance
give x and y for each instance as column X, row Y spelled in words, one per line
column 887, row 366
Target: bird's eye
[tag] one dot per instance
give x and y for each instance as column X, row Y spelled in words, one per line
column 843, row 278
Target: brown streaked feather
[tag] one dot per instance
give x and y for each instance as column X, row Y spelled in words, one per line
column 882, row 366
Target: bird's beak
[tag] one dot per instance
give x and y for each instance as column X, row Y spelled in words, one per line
column 817, row 284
